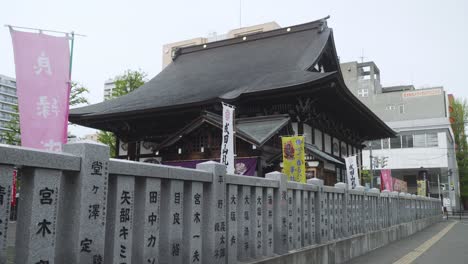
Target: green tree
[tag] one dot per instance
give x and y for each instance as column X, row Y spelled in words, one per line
column 128, row 82
column 124, row 84
column 460, row 116
column 365, row 177
column 109, row 139
column 12, row 137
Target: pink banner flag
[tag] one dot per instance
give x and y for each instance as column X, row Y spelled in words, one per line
column 386, row 182
column 43, row 87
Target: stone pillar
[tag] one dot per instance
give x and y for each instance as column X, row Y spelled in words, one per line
column 6, row 178
column 291, row 232
column 244, row 225
column 280, row 211
column 408, row 207
column 234, row 217
column 36, row 236
column 386, row 207
column 268, row 228
column 319, row 211
column 305, row 218
column 257, row 222
column 312, row 209
column 362, row 212
column 331, row 214
column 121, row 231
column 326, row 215
column 214, row 250
column 174, row 223
column 297, row 219
column 395, row 213
column 342, row 213
column 82, row 235
column 366, row 210
column 147, row 220
column 375, row 207
column 193, row 217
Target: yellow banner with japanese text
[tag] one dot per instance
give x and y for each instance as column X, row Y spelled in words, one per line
column 422, row 187
column 294, row 158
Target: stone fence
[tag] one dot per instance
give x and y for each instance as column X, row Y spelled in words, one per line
column 82, row 207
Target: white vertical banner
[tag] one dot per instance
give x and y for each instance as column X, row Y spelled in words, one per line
column 227, row 140
column 351, row 172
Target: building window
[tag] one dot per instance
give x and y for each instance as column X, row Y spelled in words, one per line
column 385, row 143
column 432, row 140
column 390, row 107
column 401, row 109
column 363, row 92
column 395, row 142
column 407, row 141
column 376, row 144
column 419, row 140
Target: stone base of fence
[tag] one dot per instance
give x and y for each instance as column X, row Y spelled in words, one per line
column 82, row 207
column 342, row 250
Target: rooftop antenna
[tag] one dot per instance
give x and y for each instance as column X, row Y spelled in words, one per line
column 362, row 56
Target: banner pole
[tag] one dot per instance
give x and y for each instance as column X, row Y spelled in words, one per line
column 43, row 30
column 70, row 83
column 71, row 53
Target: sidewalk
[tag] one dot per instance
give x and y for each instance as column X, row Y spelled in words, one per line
column 451, row 248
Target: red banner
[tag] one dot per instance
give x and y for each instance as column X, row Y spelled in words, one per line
column 43, row 86
column 399, row 185
column 387, row 182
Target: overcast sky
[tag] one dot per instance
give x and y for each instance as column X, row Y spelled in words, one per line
column 412, row 42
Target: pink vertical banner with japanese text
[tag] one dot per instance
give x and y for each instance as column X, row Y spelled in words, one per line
column 43, row 87
column 386, row 181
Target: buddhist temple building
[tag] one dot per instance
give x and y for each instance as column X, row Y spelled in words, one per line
column 282, row 82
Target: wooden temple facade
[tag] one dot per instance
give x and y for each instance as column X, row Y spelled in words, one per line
column 282, row 82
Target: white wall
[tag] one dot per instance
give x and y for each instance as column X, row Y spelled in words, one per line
column 318, row 138
column 328, row 143
column 407, row 158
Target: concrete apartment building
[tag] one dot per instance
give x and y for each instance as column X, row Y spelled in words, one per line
column 425, row 140
column 109, row 86
column 8, row 100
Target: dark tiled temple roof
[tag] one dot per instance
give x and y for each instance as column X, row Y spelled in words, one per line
column 225, row 70
column 278, row 61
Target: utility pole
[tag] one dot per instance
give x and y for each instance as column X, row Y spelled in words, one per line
column 371, row 165
column 438, row 185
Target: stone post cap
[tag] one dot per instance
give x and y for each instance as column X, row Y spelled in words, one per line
column 374, row 190
column 340, row 185
column 275, row 175
column 360, row 188
column 385, row 193
column 394, row 193
column 315, row 181
column 209, row 164
column 408, row 195
column 86, row 141
column 402, row 194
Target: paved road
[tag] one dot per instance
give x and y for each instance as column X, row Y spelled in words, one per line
column 444, row 242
